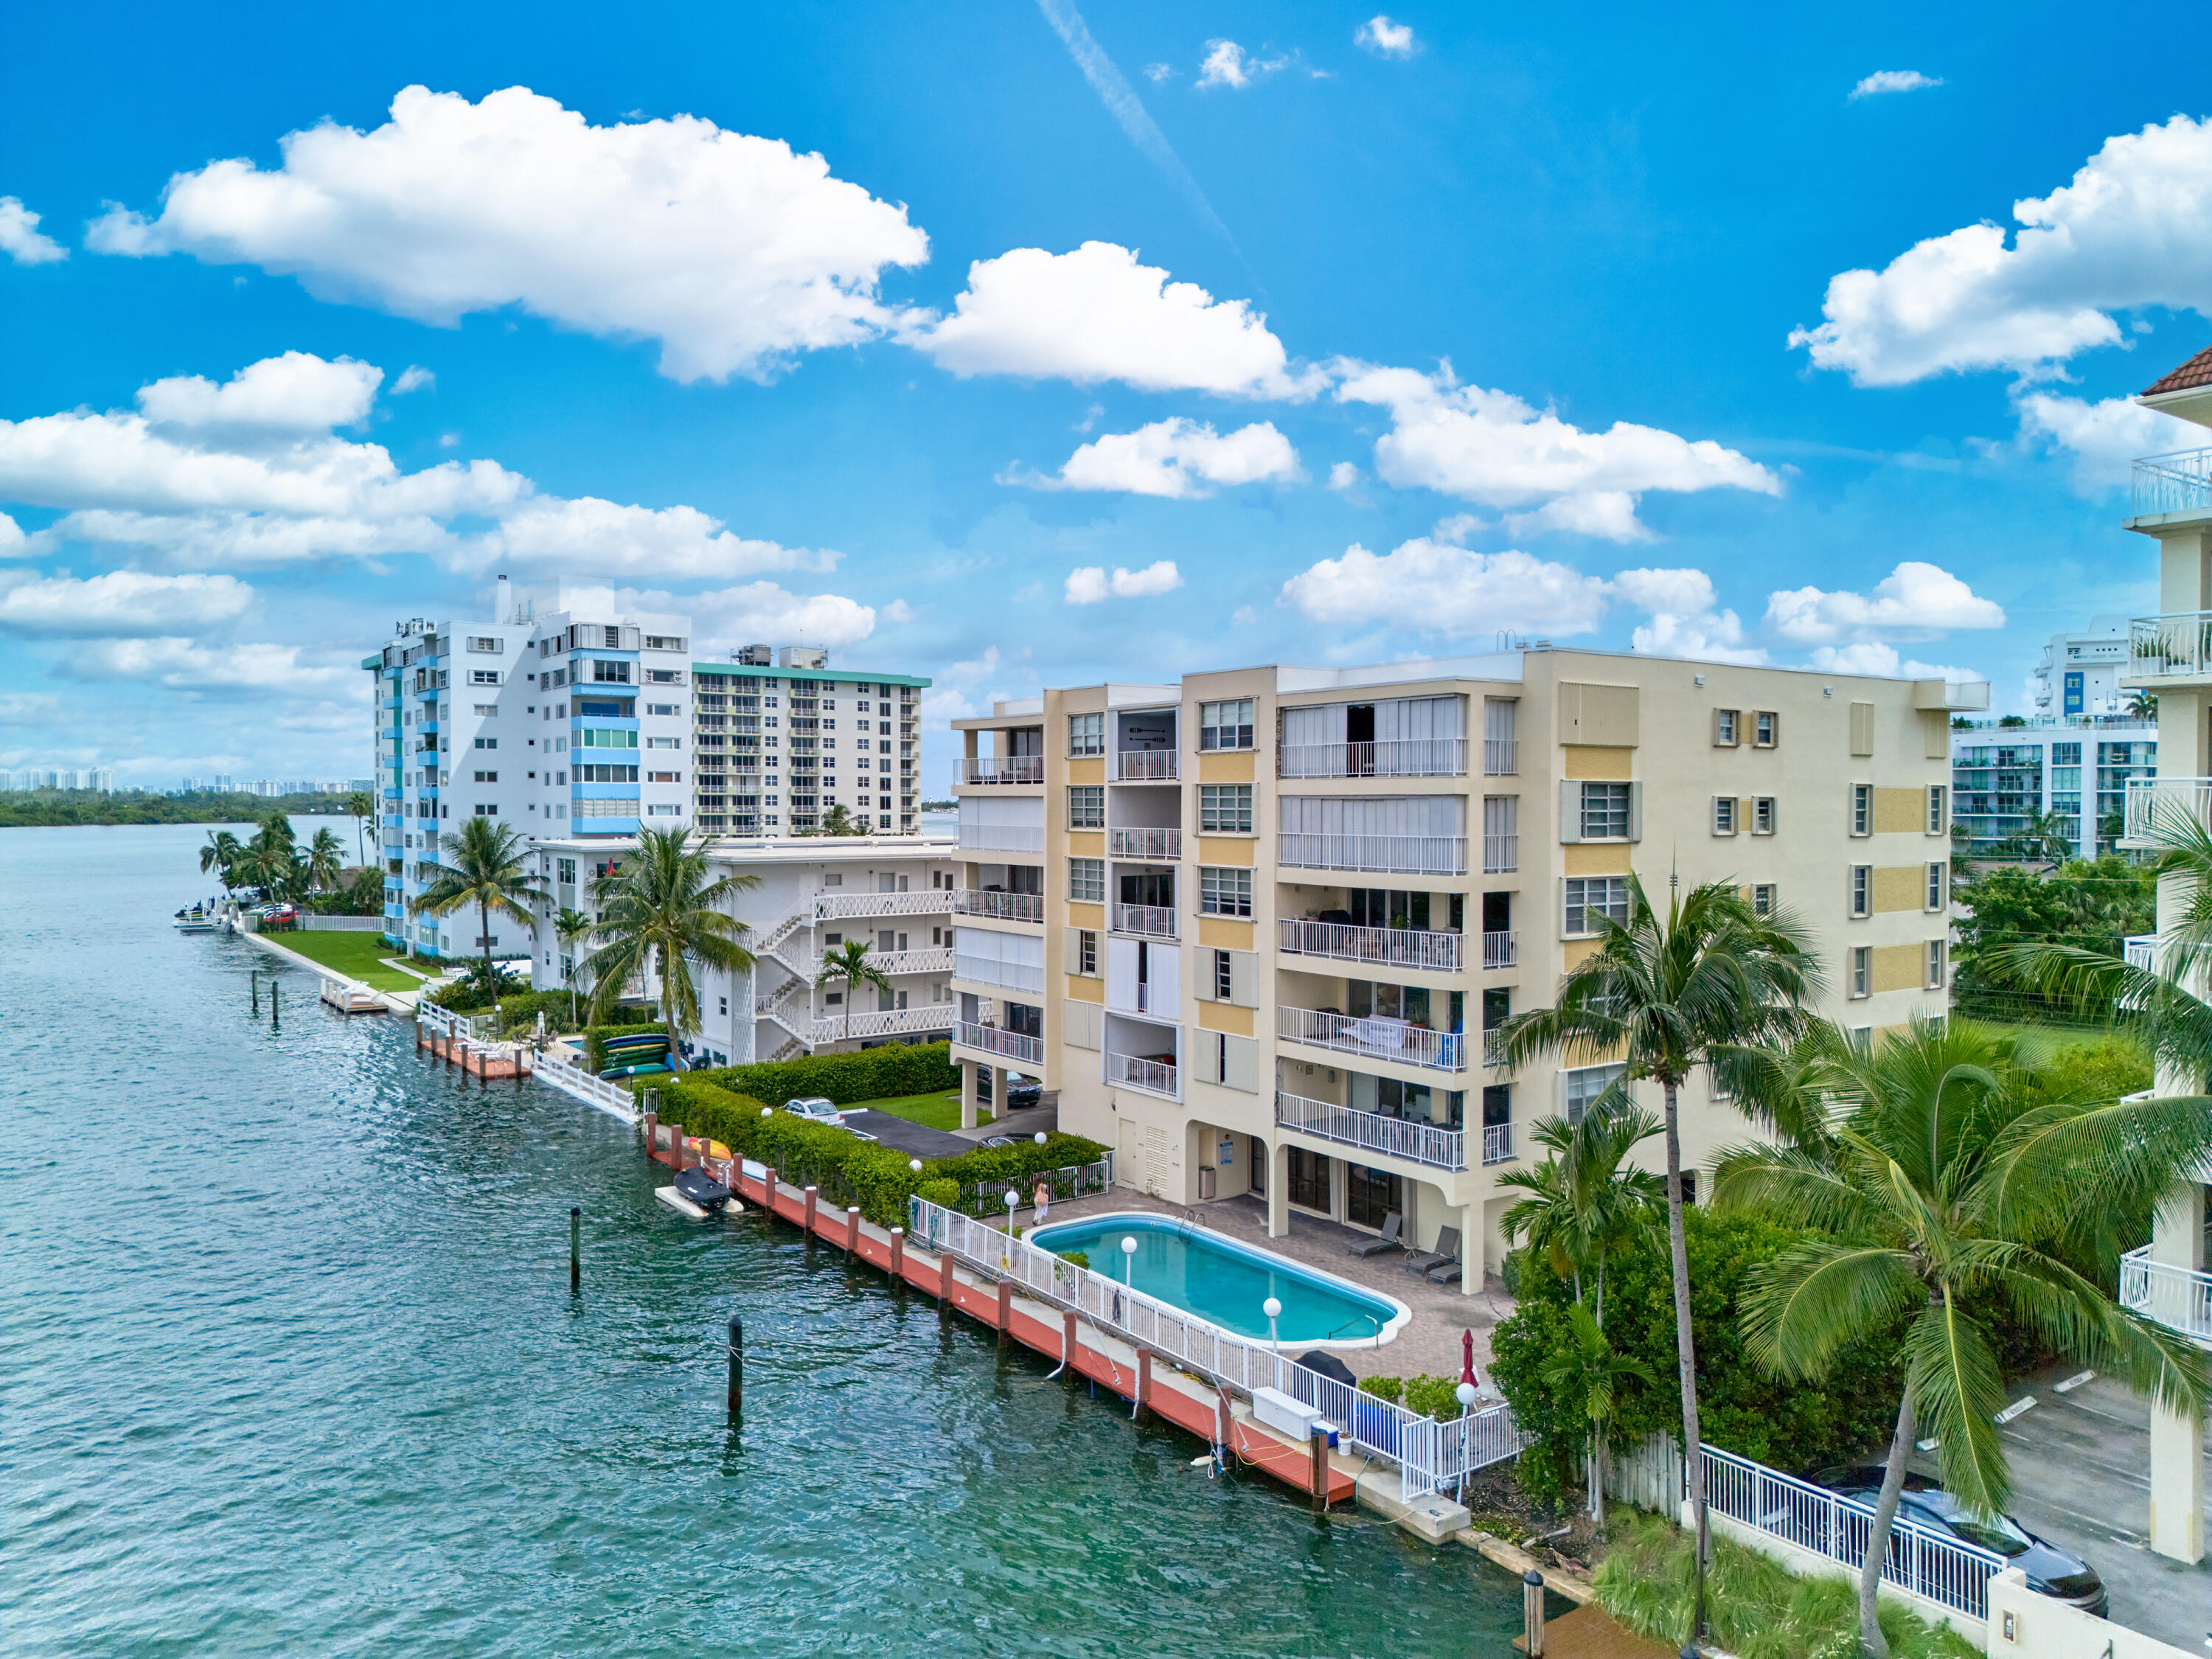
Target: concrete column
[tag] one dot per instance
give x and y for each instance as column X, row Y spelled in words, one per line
column 999, row 1075
column 967, row 1071
column 1278, row 1187
column 1471, row 1248
column 2177, row 1440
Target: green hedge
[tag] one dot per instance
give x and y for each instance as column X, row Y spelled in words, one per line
column 595, row 1042
column 884, row 1073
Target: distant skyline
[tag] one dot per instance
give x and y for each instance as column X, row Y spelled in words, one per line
column 1056, row 343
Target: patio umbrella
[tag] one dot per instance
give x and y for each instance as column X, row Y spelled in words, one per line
column 1466, row 1362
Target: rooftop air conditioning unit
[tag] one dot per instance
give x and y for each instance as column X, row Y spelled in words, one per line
column 755, row 656
column 803, row 656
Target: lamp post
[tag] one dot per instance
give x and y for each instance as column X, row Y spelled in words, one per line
column 1038, row 1137
column 1128, row 1254
column 1465, row 1394
column 1273, row 1310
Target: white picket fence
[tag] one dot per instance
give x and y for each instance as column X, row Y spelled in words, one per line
column 444, row 1021
column 1431, row 1455
column 599, row 1092
column 1070, row 1181
column 315, row 924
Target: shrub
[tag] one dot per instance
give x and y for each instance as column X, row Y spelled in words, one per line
column 1076, row 1258
column 945, row 1194
column 1430, row 1396
column 884, row 1073
column 2102, row 1068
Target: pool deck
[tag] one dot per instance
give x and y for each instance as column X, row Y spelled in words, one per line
column 1429, row 1344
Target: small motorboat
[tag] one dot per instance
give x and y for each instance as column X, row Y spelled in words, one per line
column 195, row 920
column 702, row 1189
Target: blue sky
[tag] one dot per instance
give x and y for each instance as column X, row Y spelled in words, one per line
column 1047, row 341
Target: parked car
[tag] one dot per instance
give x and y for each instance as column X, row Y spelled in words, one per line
column 999, row 1140
column 1023, row 1092
column 815, row 1109
column 2052, row 1572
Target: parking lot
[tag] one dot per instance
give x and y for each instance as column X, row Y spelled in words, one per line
column 2080, row 1465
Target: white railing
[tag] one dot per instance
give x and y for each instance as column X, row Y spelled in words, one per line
column 1069, row 1181
column 1501, row 854
column 999, row 769
column 2179, row 483
column 1161, row 845
column 1410, row 757
column 1003, row 907
column 1392, row 1040
column 575, row 1080
column 1429, row 1143
column 926, row 901
column 881, row 1021
column 1501, row 757
column 315, row 924
column 2178, row 643
column 1153, row 920
column 1498, row 1143
column 1012, row 1045
column 1145, row 765
column 1929, row 1565
column 2161, row 802
column 1153, row 1076
column 1411, row 855
column 1384, row 947
column 2176, row 1297
column 444, row 1021
column 1431, row 1454
column 1498, row 950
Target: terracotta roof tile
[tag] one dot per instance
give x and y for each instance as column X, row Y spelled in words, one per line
column 2196, row 371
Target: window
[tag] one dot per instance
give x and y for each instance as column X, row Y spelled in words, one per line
column 1501, row 833
column 1086, row 880
column 1223, row 977
column 564, row 871
column 491, row 645
column 663, row 642
column 1863, row 809
column 1224, row 809
column 609, row 673
column 487, row 777
column 1763, row 900
column 664, row 676
column 1765, row 727
column 1224, row 892
column 1762, row 814
column 1086, row 807
column 1862, row 890
column 484, row 811
column 1933, row 980
column 1862, row 971
column 1086, row 734
column 664, row 743
column 606, row 774
column 1605, row 812
column 596, row 737
column 1584, row 1085
column 1370, row 1197
column 661, row 709
column 484, row 676
column 1936, row 794
column 1086, row 952
column 664, row 777
column 1724, row 815
column 484, row 709
column 1226, row 725
column 1728, row 726
column 1939, row 885
column 487, row 742
column 1592, row 901
column 1310, row 1180
column 665, row 810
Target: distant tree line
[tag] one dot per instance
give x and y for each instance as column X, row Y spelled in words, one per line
column 46, row 808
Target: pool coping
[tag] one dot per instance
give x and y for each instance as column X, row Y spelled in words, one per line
column 1153, row 1221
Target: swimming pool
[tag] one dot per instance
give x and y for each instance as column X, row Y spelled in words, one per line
column 1225, row 1283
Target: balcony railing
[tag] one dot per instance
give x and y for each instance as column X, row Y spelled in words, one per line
column 1155, row 1077
column 1417, row 1142
column 1002, row 907
column 2175, row 645
column 1009, row 1045
column 2179, row 483
column 999, row 769
column 1145, row 765
column 1376, row 1037
column 1152, row 846
column 927, row 901
column 1497, row 1142
column 1410, row 855
column 1500, row 950
column 1382, row 947
column 1501, row 757
column 1152, row 920
column 2159, row 802
column 2177, row 1297
column 1403, row 757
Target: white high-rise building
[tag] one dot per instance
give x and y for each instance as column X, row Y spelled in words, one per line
column 2079, row 673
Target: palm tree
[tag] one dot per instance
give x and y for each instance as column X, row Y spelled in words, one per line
column 1593, row 1369
column 272, row 860
column 222, row 855
column 360, row 807
column 571, row 927
column 1710, row 983
column 851, row 968
column 1945, row 1190
column 2044, row 841
column 839, row 821
column 1581, row 1202
column 2142, row 705
column 487, row 866
column 660, row 912
column 325, row 858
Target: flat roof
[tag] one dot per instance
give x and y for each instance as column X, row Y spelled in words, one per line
column 776, row 849
column 822, row 676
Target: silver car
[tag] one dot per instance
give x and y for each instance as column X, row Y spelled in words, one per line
column 815, row 1109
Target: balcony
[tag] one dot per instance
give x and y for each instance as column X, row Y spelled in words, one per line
column 1373, row 1037
column 1148, row 920
column 990, row 1040
column 1407, row 855
column 2178, row 483
column 1501, row 854
column 1498, row 1143
column 1000, row 907
column 999, row 769
column 2154, row 802
column 1501, row 757
column 1410, row 757
column 1154, row 1077
column 1383, row 947
column 929, row 901
column 1500, row 950
column 1145, row 766
column 1428, row 1143
column 2176, row 1297
column 2176, row 646
column 1148, row 846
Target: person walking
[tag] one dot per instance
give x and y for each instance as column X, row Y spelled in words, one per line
column 1041, row 1199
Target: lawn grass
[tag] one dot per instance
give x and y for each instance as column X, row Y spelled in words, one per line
column 936, row 1110
column 364, row 956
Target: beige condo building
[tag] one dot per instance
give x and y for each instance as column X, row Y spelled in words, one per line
column 1253, row 927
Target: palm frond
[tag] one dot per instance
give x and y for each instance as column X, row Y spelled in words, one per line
column 1957, row 1392
column 1817, row 1296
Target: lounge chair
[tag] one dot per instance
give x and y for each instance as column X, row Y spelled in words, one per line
column 1419, row 1262
column 1445, row 1274
column 1393, row 1226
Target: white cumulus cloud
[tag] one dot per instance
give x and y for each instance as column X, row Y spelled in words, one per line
column 1345, row 475
column 1873, row 657
column 298, row 391
column 1608, row 513
column 1433, row 588
column 2103, row 437
column 1385, row 39
column 186, row 665
column 1090, row 584
column 414, row 377
column 733, row 252
column 2133, row 230
column 1685, row 617
column 1226, row 64
column 587, row 534
column 21, row 240
column 722, row 618
column 1915, row 601
column 1098, row 314
column 120, row 602
column 1179, row 458
column 1888, row 80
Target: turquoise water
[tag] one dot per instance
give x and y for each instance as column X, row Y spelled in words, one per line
column 292, row 1368
column 1213, row 1278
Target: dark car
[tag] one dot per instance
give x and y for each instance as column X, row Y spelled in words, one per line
column 1023, row 1092
column 2053, row 1571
